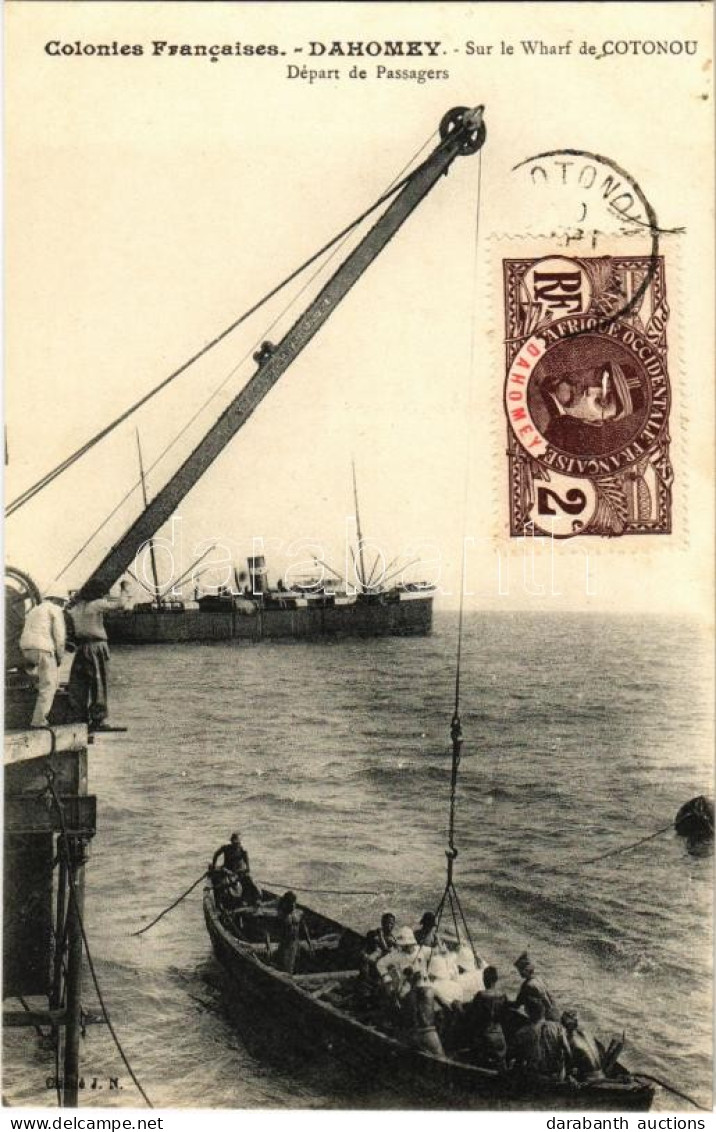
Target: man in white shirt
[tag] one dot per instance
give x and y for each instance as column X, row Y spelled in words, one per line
column 43, row 646
column 89, row 674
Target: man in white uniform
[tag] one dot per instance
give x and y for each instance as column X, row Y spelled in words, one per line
column 43, row 646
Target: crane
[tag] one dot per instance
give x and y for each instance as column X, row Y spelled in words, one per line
column 462, row 132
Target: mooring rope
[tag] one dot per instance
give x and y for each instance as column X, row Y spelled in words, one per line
column 64, row 848
column 670, row 1089
column 625, row 848
column 268, row 883
column 172, row 905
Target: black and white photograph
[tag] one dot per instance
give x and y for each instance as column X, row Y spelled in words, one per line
column 359, row 564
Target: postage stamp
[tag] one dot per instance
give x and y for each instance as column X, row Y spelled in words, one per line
column 587, row 396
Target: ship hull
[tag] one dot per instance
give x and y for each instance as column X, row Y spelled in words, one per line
column 409, row 616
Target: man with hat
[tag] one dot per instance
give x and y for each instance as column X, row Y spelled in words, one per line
column 534, row 989
column 392, row 966
column 43, row 646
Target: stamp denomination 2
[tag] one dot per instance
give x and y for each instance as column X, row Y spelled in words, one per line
column 587, row 395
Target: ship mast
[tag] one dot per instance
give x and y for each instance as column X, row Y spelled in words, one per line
column 152, row 553
column 358, row 531
column 462, row 133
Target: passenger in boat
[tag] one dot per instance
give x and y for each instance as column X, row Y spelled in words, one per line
column 392, row 965
column 89, row 675
column 417, row 1011
column 483, row 1023
column 585, row 1062
column 236, row 865
column 470, row 973
column 427, row 933
column 445, row 987
column 533, row 987
column 289, row 922
column 236, row 859
column 541, row 1047
column 378, row 942
column 42, row 644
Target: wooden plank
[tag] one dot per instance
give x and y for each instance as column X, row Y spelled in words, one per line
column 14, row 1019
column 323, row 976
column 29, row 775
column 37, row 743
column 29, row 814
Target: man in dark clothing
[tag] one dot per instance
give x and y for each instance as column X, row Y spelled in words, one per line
column 541, row 1047
column 585, row 1061
column 236, row 863
column 427, row 933
column 236, row 859
column 289, row 922
column 379, row 941
column 533, row 987
column 88, row 684
column 417, row 1011
column 484, row 1016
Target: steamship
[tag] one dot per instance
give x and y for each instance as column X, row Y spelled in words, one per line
column 310, row 611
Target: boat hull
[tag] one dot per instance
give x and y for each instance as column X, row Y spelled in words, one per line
column 266, row 996
column 408, row 617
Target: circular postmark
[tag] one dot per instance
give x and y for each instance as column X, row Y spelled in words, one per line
column 584, row 198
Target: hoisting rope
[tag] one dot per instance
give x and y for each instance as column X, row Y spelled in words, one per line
column 450, row 892
column 392, row 187
column 53, row 474
column 65, row 851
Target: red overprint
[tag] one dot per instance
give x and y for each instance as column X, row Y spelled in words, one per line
column 518, row 413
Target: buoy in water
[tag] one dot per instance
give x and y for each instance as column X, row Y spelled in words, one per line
column 695, row 822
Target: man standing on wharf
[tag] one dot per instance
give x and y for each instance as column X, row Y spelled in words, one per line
column 88, row 685
column 43, row 647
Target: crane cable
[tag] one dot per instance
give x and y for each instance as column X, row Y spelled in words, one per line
column 450, row 893
column 342, row 237
column 48, row 478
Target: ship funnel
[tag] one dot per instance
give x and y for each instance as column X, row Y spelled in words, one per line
column 257, row 574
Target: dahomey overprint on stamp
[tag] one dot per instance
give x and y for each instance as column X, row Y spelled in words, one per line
column 587, row 395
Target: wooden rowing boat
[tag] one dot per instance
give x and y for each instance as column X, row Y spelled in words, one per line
column 320, row 1008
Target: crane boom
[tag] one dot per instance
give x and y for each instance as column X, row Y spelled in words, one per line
column 462, row 132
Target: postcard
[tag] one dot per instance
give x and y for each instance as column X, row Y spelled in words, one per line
column 359, row 558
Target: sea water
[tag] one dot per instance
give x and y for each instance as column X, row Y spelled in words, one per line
column 582, row 734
